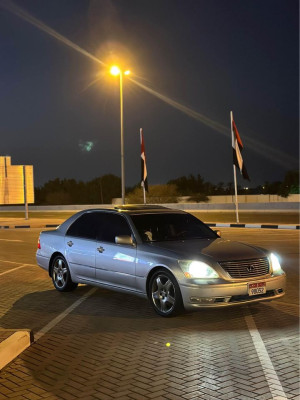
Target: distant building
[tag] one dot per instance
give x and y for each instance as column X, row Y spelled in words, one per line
column 14, row 179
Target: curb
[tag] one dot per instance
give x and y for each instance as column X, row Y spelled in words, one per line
column 212, row 225
column 260, row 226
column 28, row 226
column 14, row 345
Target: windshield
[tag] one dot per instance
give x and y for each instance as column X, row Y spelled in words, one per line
column 165, row 227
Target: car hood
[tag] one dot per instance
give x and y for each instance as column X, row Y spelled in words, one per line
column 218, row 249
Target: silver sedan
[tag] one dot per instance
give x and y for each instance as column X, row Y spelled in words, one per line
column 167, row 256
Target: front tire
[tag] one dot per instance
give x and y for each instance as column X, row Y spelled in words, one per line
column 61, row 276
column 164, row 294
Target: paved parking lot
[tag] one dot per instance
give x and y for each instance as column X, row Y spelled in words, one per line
column 97, row 344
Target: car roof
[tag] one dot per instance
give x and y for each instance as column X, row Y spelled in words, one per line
column 145, row 209
column 133, row 209
column 140, row 207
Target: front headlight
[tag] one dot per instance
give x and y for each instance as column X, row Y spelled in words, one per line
column 197, row 269
column 275, row 264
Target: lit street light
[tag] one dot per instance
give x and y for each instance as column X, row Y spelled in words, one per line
column 117, row 71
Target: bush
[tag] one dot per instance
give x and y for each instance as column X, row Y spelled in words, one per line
column 157, row 194
column 199, row 198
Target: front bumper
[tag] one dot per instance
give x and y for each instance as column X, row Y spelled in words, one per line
column 230, row 293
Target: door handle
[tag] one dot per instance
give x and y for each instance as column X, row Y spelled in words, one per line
column 100, row 249
column 70, row 243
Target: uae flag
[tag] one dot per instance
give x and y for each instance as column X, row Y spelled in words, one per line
column 237, row 148
column 144, row 178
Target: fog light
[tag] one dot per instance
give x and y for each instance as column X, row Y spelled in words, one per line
column 220, row 300
column 194, row 300
column 202, row 300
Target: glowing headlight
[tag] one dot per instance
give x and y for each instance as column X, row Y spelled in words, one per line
column 197, row 269
column 275, row 264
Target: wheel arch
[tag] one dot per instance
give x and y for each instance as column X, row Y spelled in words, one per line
column 152, row 272
column 57, row 253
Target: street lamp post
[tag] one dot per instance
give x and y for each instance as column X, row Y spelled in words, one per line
column 122, row 140
column 117, row 71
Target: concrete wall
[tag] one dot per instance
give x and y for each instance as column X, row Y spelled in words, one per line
column 224, row 203
column 243, row 207
column 250, row 198
column 208, row 207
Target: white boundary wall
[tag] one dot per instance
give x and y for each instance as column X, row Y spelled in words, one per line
column 259, row 203
column 243, row 207
column 249, row 198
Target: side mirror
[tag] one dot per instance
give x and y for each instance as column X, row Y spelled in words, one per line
column 124, row 239
column 218, row 233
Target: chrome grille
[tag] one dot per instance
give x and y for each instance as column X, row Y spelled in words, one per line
column 246, row 268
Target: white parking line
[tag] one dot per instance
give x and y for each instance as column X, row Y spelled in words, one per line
column 14, row 269
column 268, row 368
column 12, row 240
column 61, row 316
column 14, row 262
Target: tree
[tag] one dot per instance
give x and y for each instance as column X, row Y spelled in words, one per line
column 57, row 192
column 188, row 185
column 157, row 194
column 191, row 186
column 290, row 185
column 69, row 191
column 103, row 189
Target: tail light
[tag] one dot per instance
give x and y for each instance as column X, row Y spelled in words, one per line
column 39, row 244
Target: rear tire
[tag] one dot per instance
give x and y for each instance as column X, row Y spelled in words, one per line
column 164, row 294
column 61, row 276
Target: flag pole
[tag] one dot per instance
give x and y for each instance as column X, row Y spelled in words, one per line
column 144, row 192
column 143, row 183
column 25, row 192
column 236, row 197
column 234, row 173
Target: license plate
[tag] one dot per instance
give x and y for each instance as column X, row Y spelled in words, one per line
column 257, row 288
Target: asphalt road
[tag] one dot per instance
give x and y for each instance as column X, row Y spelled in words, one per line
column 97, row 344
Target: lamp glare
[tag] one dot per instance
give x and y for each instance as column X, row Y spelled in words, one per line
column 115, row 70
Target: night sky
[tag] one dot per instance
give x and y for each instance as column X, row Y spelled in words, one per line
column 60, row 108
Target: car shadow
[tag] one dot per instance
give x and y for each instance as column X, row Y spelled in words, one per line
column 111, row 311
column 112, row 338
